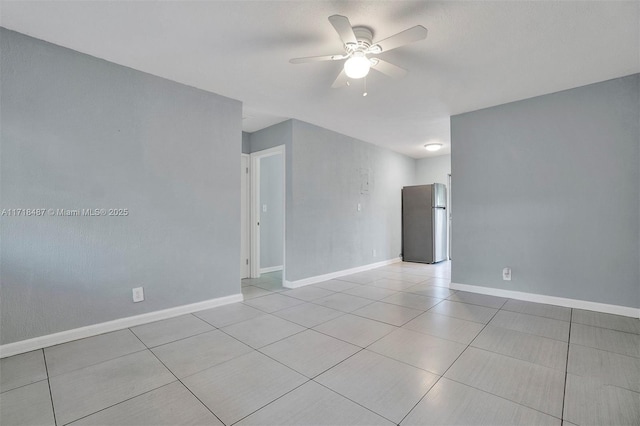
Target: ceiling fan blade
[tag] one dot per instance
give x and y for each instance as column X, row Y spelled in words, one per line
column 341, row 80
column 317, row 59
column 388, row 68
column 343, row 28
column 405, row 37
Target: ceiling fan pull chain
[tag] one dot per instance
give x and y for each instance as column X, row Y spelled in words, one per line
column 365, row 87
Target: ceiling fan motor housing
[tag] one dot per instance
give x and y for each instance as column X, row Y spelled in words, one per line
column 364, row 36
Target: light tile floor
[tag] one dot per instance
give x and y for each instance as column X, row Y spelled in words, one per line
column 389, row 346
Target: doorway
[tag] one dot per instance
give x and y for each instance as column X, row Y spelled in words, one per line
column 449, row 217
column 267, row 212
column 245, row 223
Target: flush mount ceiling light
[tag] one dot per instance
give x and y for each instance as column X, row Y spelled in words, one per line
column 433, row 146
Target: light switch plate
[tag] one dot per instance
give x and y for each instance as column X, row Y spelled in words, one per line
column 138, row 294
column 506, row 274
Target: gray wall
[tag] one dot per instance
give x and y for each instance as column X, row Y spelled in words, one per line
column 78, row 132
column 271, row 220
column 246, row 143
column 272, row 136
column 433, row 170
column 330, row 174
column 549, row 187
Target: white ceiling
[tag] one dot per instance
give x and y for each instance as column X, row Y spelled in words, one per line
column 478, row 54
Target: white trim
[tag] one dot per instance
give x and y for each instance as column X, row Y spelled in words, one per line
column 118, row 324
column 332, row 275
column 550, row 300
column 271, row 269
column 269, row 151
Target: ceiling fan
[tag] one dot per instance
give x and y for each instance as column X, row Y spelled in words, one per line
column 360, row 50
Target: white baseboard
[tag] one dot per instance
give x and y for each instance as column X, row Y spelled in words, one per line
column 270, row 269
column 106, row 327
column 550, row 300
column 332, row 275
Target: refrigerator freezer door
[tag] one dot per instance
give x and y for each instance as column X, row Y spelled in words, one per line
column 439, row 234
column 439, row 195
column 417, row 229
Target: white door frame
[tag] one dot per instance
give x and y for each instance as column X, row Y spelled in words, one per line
column 449, row 217
column 255, row 207
column 245, row 234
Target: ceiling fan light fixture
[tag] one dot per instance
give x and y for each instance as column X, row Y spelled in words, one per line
column 357, row 66
column 433, row 147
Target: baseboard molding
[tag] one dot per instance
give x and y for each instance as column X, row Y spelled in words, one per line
column 270, row 269
column 106, row 327
column 320, row 278
column 550, row 300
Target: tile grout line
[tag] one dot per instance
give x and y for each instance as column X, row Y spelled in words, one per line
column 351, row 343
column 498, row 309
column 606, row 350
column 117, row 403
column 308, row 379
column 502, row 397
column 317, row 331
column 388, row 323
column 499, row 396
column 350, row 356
column 566, row 369
column 468, row 345
column 46, row 369
column 530, row 362
column 532, row 333
column 26, row 384
column 535, row 315
column 316, row 325
column 454, row 361
column 179, row 380
column 91, row 337
column 172, row 341
column 512, row 357
column 101, row 362
column 271, row 402
column 355, row 402
column 409, row 364
column 308, row 328
column 497, row 353
column 218, row 364
column 269, row 356
column 268, row 344
column 607, row 328
column 335, row 309
column 382, row 355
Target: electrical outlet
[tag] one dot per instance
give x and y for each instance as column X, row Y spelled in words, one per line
column 359, row 207
column 374, row 252
column 506, row 274
column 138, row 294
column 264, row 208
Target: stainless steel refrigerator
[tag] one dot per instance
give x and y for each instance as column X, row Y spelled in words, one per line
column 424, row 223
